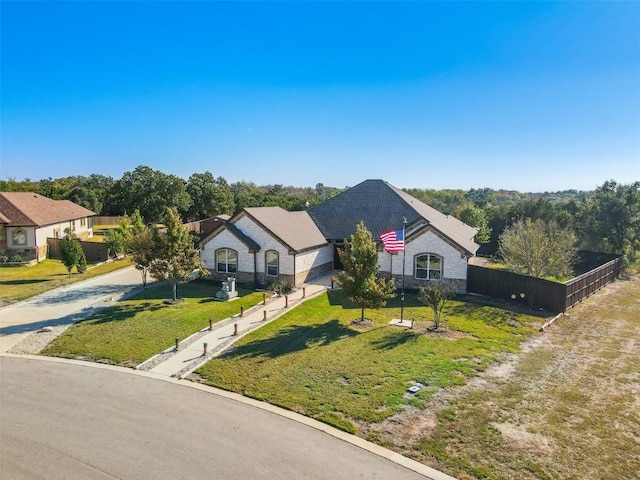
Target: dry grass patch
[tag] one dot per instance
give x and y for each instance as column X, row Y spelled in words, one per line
column 567, row 408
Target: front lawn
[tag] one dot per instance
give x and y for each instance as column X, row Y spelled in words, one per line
column 19, row 283
column 315, row 361
column 135, row 329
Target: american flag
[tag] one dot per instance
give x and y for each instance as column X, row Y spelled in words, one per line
column 393, row 241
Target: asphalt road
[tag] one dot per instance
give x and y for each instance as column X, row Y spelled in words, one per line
column 69, row 421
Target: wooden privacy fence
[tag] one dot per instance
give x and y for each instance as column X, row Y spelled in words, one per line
column 94, row 251
column 539, row 293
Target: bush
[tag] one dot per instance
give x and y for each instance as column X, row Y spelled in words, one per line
column 17, row 258
column 4, row 258
column 281, row 287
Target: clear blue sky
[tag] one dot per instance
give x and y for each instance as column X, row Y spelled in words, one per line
column 526, row 96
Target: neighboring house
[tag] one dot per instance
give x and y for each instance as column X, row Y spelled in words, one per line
column 264, row 243
column 28, row 219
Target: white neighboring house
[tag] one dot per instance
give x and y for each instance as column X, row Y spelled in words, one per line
column 27, row 219
column 263, row 244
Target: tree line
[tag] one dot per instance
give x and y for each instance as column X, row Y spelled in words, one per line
column 606, row 219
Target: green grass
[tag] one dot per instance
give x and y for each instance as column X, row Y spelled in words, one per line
column 313, row 360
column 19, row 283
column 135, row 329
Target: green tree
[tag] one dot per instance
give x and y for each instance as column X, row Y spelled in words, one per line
column 436, row 296
column 141, row 245
column 117, row 239
column 609, row 220
column 71, row 253
column 210, row 196
column 359, row 280
column 149, row 191
column 538, row 249
column 475, row 217
column 84, row 197
column 176, row 257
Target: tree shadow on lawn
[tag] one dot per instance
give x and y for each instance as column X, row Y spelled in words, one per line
column 121, row 312
column 22, row 282
column 395, row 339
column 292, row 339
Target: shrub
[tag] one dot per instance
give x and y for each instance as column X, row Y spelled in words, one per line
column 4, row 258
column 17, row 258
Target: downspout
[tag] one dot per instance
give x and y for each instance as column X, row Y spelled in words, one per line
column 255, row 269
column 294, row 270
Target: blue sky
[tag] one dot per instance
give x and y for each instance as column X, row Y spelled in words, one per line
column 526, row 96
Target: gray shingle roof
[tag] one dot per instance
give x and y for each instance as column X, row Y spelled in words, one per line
column 382, row 207
column 28, row 209
column 295, row 229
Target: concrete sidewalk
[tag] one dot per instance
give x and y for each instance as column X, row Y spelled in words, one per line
column 188, row 358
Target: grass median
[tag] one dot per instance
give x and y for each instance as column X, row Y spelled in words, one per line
column 135, row 329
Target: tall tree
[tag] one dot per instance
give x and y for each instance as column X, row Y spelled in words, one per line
column 359, row 279
column 475, row 217
column 609, row 220
column 71, row 253
column 149, row 191
column 84, row 197
column 176, row 258
column 538, row 249
column 210, row 196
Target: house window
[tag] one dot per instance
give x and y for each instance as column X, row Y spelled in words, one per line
column 272, row 261
column 83, row 222
column 19, row 237
column 226, row 261
column 428, row 267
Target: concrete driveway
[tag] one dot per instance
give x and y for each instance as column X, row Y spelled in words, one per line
column 64, row 306
column 63, row 420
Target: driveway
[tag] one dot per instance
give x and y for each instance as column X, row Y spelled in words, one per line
column 70, row 421
column 64, row 306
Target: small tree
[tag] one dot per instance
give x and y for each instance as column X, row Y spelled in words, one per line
column 436, row 296
column 71, row 253
column 175, row 256
column 140, row 244
column 117, row 239
column 359, row 280
column 538, row 249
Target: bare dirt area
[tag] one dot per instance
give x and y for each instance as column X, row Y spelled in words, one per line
column 567, row 407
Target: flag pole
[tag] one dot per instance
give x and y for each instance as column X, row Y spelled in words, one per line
column 404, row 257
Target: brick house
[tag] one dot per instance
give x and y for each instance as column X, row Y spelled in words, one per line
column 27, row 219
column 268, row 243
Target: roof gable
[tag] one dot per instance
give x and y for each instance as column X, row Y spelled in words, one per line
column 296, row 230
column 32, row 209
column 383, row 207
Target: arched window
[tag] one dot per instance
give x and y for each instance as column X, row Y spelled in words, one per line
column 19, row 237
column 226, row 261
column 272, row 263
column 428, row 267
